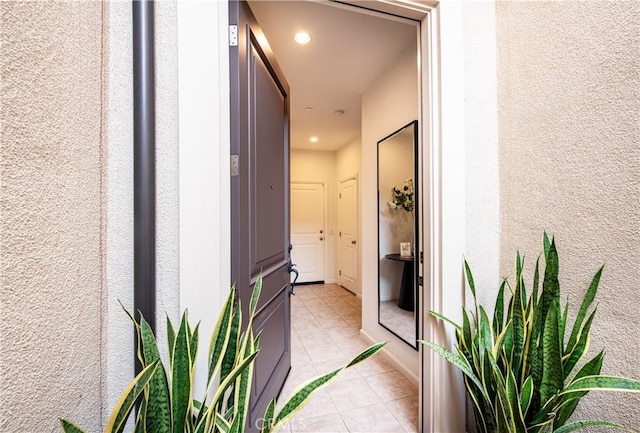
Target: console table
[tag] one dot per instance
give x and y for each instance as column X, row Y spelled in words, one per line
column 407, row 295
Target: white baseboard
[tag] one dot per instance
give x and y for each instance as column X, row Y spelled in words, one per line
column 392, row 360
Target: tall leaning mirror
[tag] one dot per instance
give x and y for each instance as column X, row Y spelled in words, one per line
column 397, row 229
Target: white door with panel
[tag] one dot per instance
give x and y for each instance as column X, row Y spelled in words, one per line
column 307, row 231
column 348, row 234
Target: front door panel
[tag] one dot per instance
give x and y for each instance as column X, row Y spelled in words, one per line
column 260, row 202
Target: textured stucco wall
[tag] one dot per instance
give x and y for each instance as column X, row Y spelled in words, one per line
column 51, row 267
column 569, row 110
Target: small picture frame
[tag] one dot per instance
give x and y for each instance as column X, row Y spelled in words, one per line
column 405, row 249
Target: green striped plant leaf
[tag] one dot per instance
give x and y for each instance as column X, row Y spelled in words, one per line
column 158, row 417
column 584, row 307
column 171, row 334
column 520, row 375
column 269, row 417
column 69, row 427
column 498, row 310
column 220, row 335
column 602, row 383
column 581, row 425
column 301, row 395
column 568, row 406
column 580, row 348
column 526, row 394
column 125, row 404
column 181, row 377
column 552, row 372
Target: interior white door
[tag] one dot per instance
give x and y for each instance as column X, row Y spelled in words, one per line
column 307, row 231
column 348, row 234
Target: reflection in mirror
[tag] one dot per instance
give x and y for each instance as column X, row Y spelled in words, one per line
column 397, row 228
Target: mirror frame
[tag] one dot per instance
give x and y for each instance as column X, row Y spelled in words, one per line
column 416, row 227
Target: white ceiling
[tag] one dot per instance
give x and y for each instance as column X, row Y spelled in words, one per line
column 348, row 50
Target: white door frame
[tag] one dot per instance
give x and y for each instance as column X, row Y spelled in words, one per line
column 442, row 393
column 442, row 52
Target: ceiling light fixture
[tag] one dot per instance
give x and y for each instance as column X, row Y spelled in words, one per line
column 313, row 139
column 308, row 108
column 302, row 38
column 338, row 113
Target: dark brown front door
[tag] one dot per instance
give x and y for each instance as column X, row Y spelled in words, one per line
column 260, row 200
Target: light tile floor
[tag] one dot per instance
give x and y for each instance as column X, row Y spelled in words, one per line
column 370, row 397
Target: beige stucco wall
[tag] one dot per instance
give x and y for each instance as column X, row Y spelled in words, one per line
column 569, row 129
column 67, row 207
column 51, row 268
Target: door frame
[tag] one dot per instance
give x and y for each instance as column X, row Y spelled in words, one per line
column 325, row 215
column 203, row 88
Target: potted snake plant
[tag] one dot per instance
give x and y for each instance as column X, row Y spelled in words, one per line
column 165, row 392
column 524, row 370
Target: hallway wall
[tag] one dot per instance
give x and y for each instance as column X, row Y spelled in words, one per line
column 569, row 104
column 391, row 102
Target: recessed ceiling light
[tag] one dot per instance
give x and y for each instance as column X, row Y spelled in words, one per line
column 338, row 113
column 308, row 108
column 302, row 38
column 313, row 139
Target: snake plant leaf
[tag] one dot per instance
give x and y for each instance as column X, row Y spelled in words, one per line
column 484, row 329
column 229, row 357
column 194, row 338
column 69, row 427
column 222, row 424
column 242, row 365
column 498, row 310
column 563, row 320
column 301, row 396
column 141, row 417
column 518, row 323
column 446, row 319
column 158, row 401
column 580, row 348
column 579, row 425
column 546, row 244
column 472, row 285
column 460, row 362
column 243, row 383
column 269, row 417
column 220, row 335
column 171, row 334
column 465, row 340
column 552, row 372
column 584, row 307
column 366, row 354
column 590, row 368
column 536, row 284
column 497, row 347
column 123, row 407
column 551, row 284
column 181, row 377
column 255, row 295
column 302, row 393
column 602, row 383
column 526, row 393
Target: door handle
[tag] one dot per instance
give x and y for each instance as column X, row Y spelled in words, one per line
column 292, row 269
column 321, row 231
column 321, row 238
column 353, row 242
